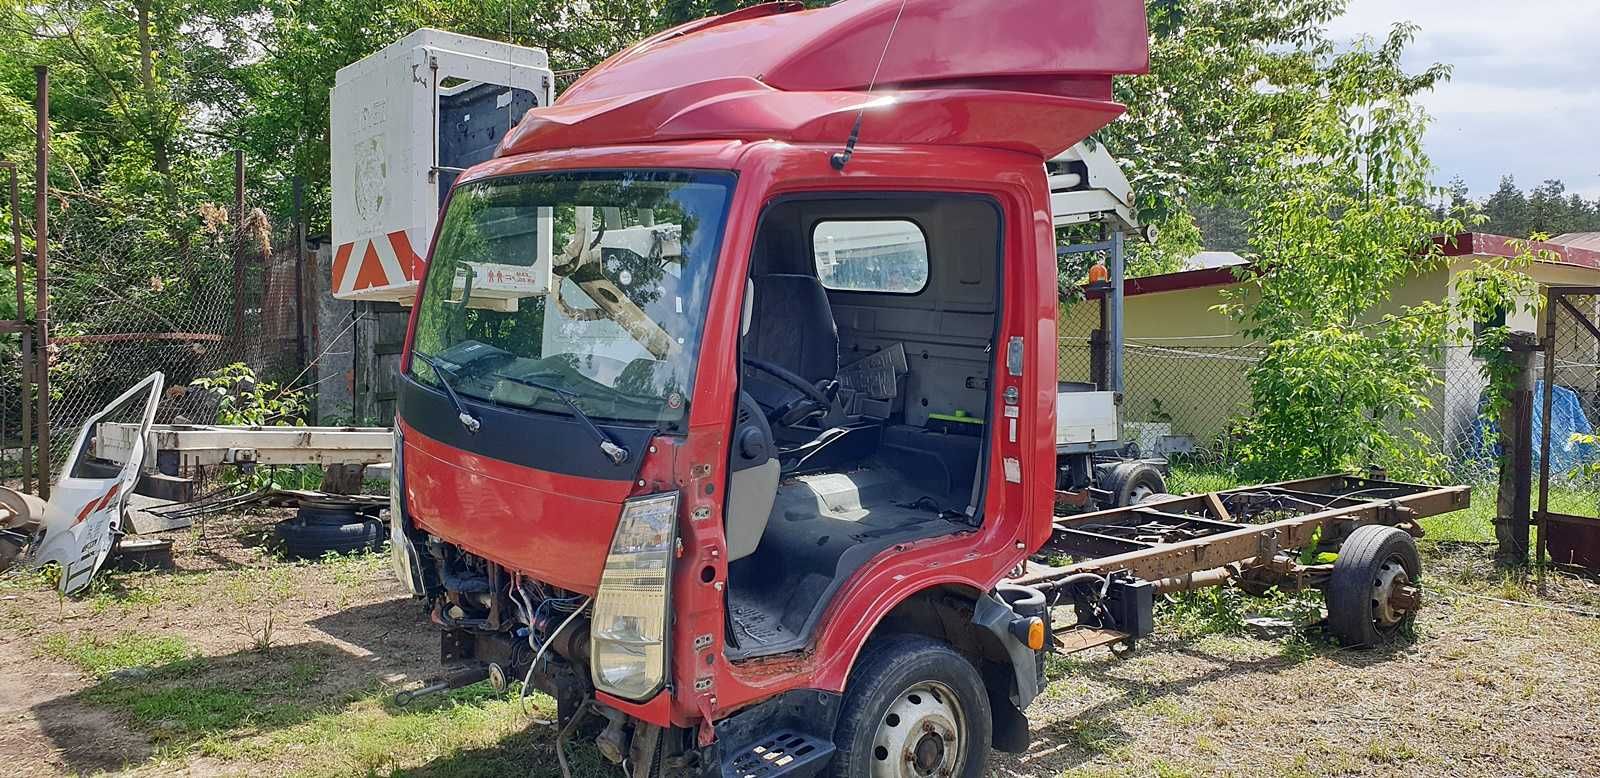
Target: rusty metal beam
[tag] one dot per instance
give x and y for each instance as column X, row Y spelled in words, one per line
column 1250, row 541
column 41, row 270
column 1077, row 542
column 21, row 326
column 1073, row 639
column 1582, row 317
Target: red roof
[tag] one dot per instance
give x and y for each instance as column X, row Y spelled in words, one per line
column 1461, row 245
column 1484, row 244
column 1027, row 75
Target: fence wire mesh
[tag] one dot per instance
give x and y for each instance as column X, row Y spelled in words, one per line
column 129, row 295
column 1183, row 396
column 1574, row 385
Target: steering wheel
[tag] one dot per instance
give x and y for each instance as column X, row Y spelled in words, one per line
column 811, row 402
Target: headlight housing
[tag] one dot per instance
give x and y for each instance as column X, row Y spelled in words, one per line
column 628, row 638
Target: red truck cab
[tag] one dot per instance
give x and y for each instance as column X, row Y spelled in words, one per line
column 745, row 483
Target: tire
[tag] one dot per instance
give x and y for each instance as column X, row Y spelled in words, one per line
column 1131, row 482
column 1374, row 560
column 302, row 540
column 334, row 515
column 900, row 685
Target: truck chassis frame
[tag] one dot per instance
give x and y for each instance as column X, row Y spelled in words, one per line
column 1250, row 534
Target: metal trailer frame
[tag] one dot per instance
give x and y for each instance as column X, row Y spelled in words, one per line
column 1250, row 534
column 174, row 448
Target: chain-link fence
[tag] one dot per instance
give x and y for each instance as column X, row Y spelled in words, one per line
column 132, row 292
column 1184, row 396
column 1574, row 402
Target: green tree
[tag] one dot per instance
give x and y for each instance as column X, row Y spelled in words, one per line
column 1339, row 220
column 1548, row 212
column 1229, row 81
column 1507, row 210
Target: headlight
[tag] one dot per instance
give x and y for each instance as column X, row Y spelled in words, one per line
column 401, row 554
column 628, row 652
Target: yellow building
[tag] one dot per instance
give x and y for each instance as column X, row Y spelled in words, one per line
column 1186, row 363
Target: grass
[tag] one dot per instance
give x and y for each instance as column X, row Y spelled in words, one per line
column 301, row 708
column 185, row 703
column 101, row 656
column 1475, row 524
column 25, row 580
column 276, row 719
column 1196, row 479
column 1093, row 735
column 351, row 570
column 469, row 731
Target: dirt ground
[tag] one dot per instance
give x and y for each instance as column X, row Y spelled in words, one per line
column 241, row 664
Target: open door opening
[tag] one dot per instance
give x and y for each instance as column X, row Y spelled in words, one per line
column 866, row 368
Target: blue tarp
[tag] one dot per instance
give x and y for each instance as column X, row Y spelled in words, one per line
column 1567, row 419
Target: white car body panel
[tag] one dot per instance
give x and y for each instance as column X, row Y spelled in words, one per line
column 84, row 515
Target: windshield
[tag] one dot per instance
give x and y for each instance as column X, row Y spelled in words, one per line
column 617, row 331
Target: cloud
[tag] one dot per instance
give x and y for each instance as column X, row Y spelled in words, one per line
column 1524, row 95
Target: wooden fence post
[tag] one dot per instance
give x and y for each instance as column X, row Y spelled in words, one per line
column 1513, row 503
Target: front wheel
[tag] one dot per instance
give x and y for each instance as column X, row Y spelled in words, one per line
column 915, row 709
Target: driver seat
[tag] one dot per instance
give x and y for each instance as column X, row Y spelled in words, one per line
column 794, row 329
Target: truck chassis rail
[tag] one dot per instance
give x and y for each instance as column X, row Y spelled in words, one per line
column 1253, row 535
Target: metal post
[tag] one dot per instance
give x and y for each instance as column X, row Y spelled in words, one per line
column 1516, row 461
column 238, row 254
column 1549, row 348
column 41, row 271
column 26, row 355
column 299, row 273
column 1114, row 325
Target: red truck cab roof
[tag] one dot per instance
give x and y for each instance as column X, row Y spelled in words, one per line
column 1032, row 77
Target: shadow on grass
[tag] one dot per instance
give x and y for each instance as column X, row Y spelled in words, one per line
column 1094, row 731
column 180, row 704
column 530, row 752
column 319, row 706
column 396, row 632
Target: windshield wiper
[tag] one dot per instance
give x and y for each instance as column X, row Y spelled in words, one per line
column 445, row 380
column 617, row 454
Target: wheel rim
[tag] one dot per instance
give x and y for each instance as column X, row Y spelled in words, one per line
column 920, row 735
column 1393, row 597
column 1140, row 492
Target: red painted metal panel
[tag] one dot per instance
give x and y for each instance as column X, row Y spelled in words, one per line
column 1030, row 75
column 555, row 528
column 1053, row 47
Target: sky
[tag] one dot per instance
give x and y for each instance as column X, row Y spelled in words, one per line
column 1524, row 95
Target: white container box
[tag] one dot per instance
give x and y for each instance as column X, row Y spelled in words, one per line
column 1087, row 419
column 405, row 122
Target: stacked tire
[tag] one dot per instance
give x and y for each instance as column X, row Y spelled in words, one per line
column 317, row 530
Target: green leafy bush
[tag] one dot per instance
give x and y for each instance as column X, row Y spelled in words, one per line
column 244, row 399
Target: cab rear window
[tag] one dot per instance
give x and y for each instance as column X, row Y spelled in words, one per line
column 871, row 255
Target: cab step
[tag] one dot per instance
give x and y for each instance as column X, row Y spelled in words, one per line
column 785, row 753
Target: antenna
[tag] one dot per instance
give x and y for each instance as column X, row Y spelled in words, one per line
column 842, row 158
